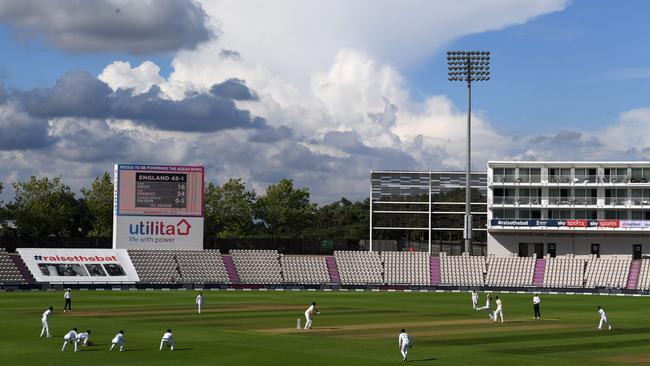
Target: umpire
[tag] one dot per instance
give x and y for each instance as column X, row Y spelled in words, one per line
column 68, row 301
column 536, row 301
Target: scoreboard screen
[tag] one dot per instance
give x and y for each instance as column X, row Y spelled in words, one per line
column 159, row 190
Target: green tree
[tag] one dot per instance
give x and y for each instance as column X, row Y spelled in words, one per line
column 230, row 209
column 284, row 210
column 99, row 202
column 342, row 219
column 44, row 207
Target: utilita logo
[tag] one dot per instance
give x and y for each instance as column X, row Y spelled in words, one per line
column 181, row 228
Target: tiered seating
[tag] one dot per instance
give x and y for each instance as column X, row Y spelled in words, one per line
column 644, row 275
column 359, row 268
column 564, row 272
column 304, row 269
column 8, row 271
column 257, row 266
column 202, row 266
column 407, row 268
column 510, row 271
column 607, row 272
column 155, row 266
column 464, row 270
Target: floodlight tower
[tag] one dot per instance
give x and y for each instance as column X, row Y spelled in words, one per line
column 468, row 66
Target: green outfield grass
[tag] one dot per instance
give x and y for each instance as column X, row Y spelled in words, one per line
column 354, row 328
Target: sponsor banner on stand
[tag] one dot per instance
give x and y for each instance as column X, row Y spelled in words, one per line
column 79, row 265
column 158, row 232
column 570, row 223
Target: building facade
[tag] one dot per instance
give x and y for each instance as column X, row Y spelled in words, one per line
column 424, row 211
column 578, row 208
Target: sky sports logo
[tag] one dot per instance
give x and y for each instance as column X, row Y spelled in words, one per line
column 160, row 228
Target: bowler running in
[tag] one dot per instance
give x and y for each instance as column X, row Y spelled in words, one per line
column 603, row 319
column 487, row 306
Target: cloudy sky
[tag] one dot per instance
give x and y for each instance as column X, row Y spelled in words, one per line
column 318, row 91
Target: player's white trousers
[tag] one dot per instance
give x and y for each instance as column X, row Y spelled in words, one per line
column 199, row 307
column 602, row 322
column 308, row 322
column 162, row 344
column 474, row 304
column 46, row 328
column 498, row 313
column 118, row 344
column 65, row 343
column 405, row 350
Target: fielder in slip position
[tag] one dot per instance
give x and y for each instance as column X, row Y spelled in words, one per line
column 499, row 311
column 45, row 322
column 84, row 338
column 603, row 319
column 199, row 302
column 70, row 337
column 405, row 343
column 309, row 314
column 474, row 299
column 118, row 340
column 167, row 338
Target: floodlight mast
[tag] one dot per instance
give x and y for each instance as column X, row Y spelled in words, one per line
column 468, row 66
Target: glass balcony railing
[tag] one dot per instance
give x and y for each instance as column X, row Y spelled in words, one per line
column 585, row 179
column 522, row 179
column 567, row 201
column 560, row 179
column 503, row 200
column 532, row 200
column 640, row 201
column 615, row 201
column 585, row 201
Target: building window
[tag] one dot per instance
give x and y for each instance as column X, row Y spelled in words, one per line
column 503, row 175
column 616, row 215
column 585, row 175
column 616, row 175
column 640, row 175
column 615, row 197
column 559, row 175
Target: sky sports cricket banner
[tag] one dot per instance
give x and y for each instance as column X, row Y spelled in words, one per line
column 79, row 265
column 158, row 206
column 551, row 223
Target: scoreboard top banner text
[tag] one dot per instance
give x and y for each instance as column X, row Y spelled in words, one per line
column 159, row 190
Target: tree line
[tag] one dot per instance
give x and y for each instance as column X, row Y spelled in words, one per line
column 47, row 207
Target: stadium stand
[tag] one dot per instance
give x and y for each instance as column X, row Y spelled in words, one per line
column 304, row 269
column 510, row 271
column 644, row 275
column 202, row 266
column 8, row 271
column 257, row 266
column 464, row 270
column 155, row 266
column 607, row 272
column 406, row 268
column 564, row 272
column 359, row 268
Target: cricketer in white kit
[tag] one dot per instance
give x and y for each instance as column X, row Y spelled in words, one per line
column 309, row 314
column 118, row 340
column 499, row 311
column 45, row 322
column 167, row 338
column 199, row 302
column 84, row 337
column 70, row 337
column 603, row 319
column 474, row 299
column 405, row 343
